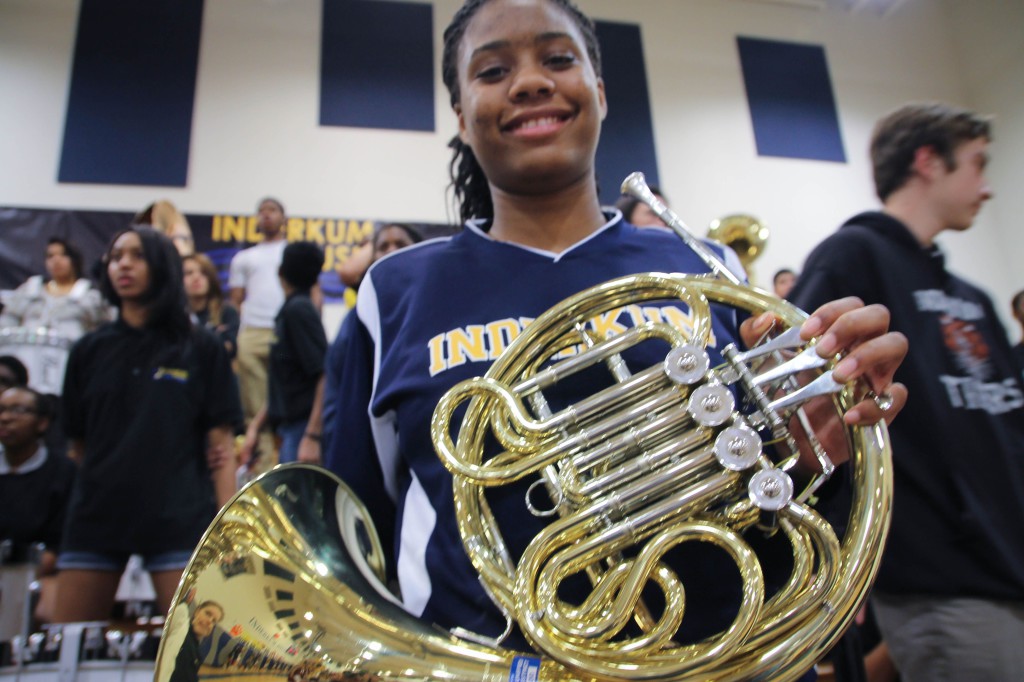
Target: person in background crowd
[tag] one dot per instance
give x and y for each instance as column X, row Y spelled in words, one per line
column 167, row 219
column 524, row 82
column 206, row 300
column 949, row 597
column 387, row 239
column 64, row 302
column 150, row 407
column 255, row 290
column 783, row 282
column 35, row 485
column 296, row 356
column 638, row 213
column 12, row 372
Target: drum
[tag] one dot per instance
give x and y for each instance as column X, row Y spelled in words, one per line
column 43, row 351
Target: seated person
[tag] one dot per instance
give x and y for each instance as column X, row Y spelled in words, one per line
column 12, row 372
column 35, row 484
column 783, row 282
column 62, row 301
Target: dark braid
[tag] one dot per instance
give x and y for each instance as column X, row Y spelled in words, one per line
column 469, row 184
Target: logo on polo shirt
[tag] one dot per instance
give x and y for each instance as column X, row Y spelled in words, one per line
column 170, row 374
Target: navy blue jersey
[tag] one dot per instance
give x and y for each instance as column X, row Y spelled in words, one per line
column 440, row 312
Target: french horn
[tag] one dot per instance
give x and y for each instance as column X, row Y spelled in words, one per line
column 687, row 450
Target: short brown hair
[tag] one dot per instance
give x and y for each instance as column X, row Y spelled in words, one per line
column 899, row 135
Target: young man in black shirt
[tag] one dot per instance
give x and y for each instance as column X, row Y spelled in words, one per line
column 950, row 593
column 296, row 354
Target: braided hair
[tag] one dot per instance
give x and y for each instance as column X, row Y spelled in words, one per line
column 468, row 182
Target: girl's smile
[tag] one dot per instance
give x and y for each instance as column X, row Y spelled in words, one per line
column 530, row 103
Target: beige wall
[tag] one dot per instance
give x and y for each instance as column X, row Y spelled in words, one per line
column 255, row 126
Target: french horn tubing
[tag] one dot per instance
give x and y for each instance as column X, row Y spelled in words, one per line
column 683, row 451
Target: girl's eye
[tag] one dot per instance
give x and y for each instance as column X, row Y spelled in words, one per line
column 561, row 60
column 491, row 73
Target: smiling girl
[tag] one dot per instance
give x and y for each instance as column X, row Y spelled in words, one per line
column 525, row 85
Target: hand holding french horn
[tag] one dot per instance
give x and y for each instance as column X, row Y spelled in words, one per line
column 871, row 353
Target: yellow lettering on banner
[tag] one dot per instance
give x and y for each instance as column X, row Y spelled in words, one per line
column 335, row 255
column 499, row 335
column 436, row 346
column 252, row 230
column 315, row 231
column 335, row 230
column 231, row 228
column 295, row 229
column 466, row 345
column 359, row 232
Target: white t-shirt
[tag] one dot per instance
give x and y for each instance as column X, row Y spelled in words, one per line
column 255, row 270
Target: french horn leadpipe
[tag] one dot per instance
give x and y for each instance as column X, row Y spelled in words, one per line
column 635, row 185
column 688, row 449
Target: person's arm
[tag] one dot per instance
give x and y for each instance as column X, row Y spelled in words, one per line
column 227, row 330
column 237, row 296
column 353, row 268
column 352, row 450
column 76, row 451
column 220, row 457
column 309, row 447
column 252, row 435
column 12, row 310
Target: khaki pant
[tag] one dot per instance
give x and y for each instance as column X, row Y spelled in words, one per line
column 252, row 362
column 952, row 639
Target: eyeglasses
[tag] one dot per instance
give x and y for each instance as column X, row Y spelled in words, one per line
column 17, row 410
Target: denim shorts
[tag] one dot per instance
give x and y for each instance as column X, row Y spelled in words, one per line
column 116, row 561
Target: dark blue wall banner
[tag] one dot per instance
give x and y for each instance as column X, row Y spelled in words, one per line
column 792, row 107
column 627, row 136
column 133, row 81
column 377, row 65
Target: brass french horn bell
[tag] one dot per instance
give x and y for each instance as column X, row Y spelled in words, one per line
column 686, row 450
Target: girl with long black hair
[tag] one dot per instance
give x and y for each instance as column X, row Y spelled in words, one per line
column 150, row 407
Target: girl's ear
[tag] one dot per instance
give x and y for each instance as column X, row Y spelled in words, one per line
column 602, row 100
column 457, row 108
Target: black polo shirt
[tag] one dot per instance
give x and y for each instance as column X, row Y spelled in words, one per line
column 143, row 404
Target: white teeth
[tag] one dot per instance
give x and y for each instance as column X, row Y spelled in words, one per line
column 537, row 122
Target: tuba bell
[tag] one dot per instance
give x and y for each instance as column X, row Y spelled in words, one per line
column 688, row 450
column 744, row 234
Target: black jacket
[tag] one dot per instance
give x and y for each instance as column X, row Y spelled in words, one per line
column 958, row 446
